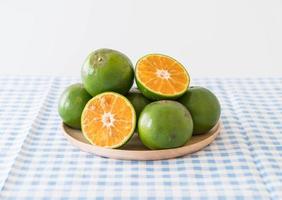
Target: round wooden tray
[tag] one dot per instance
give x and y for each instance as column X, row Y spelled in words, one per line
column 135, row 150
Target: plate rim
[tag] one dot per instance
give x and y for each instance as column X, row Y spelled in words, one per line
column 143, row 154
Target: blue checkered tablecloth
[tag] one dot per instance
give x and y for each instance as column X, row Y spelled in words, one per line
column 244, row 162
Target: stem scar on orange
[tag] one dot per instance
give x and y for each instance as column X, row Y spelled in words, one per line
column 161, row 77
column 108, row 120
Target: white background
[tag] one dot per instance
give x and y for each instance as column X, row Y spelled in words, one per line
column 212, row 38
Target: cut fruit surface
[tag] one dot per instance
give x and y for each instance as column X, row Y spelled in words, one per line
column 161, row 77
column 108, row 120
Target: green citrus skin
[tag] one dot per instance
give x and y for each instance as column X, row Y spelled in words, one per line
column 204, row 108
column 72, row 103
column 154, row 96
column 107, row 70
column 138, row 101
column 165, row 124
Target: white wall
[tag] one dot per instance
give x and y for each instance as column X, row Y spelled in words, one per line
column 212, row 38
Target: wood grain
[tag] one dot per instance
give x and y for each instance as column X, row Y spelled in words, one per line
column 135, row 150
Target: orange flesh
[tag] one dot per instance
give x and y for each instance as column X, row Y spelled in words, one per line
column 108, row 120
column 162, row 74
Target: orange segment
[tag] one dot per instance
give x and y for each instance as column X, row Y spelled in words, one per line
column 108, row 120
column 162, row 75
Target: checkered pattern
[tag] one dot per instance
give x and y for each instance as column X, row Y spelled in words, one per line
column 244, row 162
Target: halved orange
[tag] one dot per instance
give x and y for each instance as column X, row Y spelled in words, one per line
column 161, row 77
column 108, row 120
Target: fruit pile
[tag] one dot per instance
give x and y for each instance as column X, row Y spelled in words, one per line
column 164, row 110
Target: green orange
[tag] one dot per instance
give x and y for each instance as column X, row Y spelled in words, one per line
column 161, row 77
column 165, row 124
column 204, row 108
column 71, row 103
column 107, row 70
column 137, row 100
column 108, row 120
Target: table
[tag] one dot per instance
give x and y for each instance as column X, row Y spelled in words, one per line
column 244, row 162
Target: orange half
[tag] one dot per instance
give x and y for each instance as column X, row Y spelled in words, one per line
column 162, row 76
column 108, row 120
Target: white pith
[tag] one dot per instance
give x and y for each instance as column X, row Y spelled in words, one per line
column 108, row 120
column 163, row 74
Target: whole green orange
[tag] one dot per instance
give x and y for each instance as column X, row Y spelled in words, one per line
column 165, row 124
column 107, row 70
column 137, row 100
column 203, row 106
column 71, row 104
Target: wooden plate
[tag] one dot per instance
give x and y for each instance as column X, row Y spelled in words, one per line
column 135, row 150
